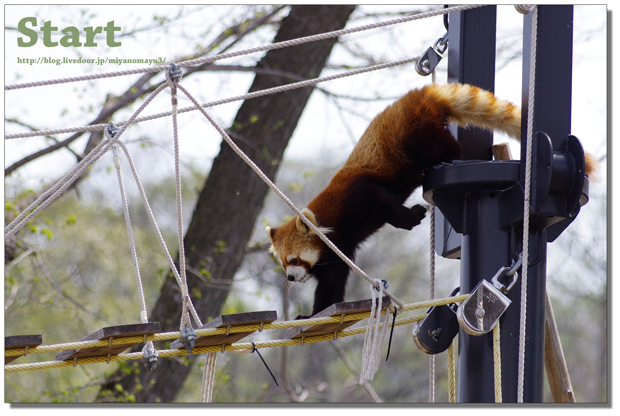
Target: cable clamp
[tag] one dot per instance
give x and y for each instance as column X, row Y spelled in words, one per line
column 175, row 73
column 149, row 358
column 188, row 338
column 112, row 129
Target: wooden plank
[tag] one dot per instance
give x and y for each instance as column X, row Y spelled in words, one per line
column 120, row 331
column 501, row 151
column 337, row 309
column 555, row 364
column 239, row 319
column 20, row 341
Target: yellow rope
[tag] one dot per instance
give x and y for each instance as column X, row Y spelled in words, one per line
column 497, row 363
column 451, row 374
column 236, row 347
column 164, row 336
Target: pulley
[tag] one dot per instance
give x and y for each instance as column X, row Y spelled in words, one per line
column 480, row 312
column 434, row 333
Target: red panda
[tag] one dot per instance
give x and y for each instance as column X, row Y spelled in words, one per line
column 385, row 167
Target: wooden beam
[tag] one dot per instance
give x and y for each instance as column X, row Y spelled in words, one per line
column 20, row 341
column 337, row 309
column 120, row 331
column 224, row 321
column 555, row 364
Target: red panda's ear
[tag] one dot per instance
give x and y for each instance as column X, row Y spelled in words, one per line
column 271, row 232
column 301, row 225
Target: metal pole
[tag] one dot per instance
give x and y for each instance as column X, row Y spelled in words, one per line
column 471, row 57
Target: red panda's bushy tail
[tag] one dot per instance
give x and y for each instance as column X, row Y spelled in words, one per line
column 471, row 105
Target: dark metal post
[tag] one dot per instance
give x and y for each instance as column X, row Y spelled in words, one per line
column 471, row 57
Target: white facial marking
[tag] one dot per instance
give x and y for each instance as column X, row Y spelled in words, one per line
column 309, row 256
column 299, row 273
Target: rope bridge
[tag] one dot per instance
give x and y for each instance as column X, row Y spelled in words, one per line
column 113, row 132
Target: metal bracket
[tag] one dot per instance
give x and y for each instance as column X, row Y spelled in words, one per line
column 431, row 58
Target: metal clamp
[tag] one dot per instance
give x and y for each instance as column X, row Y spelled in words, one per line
column 149, row 359
column 112, row 129
column 188, row 338
column 175, row 73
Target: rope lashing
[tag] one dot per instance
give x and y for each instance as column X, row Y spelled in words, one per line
column 526, row 207
column 373, row 340
column 278, row 45
column 208, row 378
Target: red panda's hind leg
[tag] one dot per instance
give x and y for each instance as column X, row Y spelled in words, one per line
column 388, row 206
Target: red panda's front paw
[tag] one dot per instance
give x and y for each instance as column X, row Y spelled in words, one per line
column 301, row 317
column 416, row 215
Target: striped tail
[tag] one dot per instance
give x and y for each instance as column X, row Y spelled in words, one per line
column 470, row 105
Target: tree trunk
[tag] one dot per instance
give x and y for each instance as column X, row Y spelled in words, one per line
column 232, row 198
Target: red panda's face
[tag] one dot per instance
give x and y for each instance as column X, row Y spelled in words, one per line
column 296, row 247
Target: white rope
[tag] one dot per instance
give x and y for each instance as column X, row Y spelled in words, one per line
column 526, row 207
column 255, row 94
column 374, row 337
column 431, row 358
column 208, row 378
column 160, row 238
column 278, row 45
column 185, row 322
column 62, row 185
column 297, row 211
column 132, row 244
